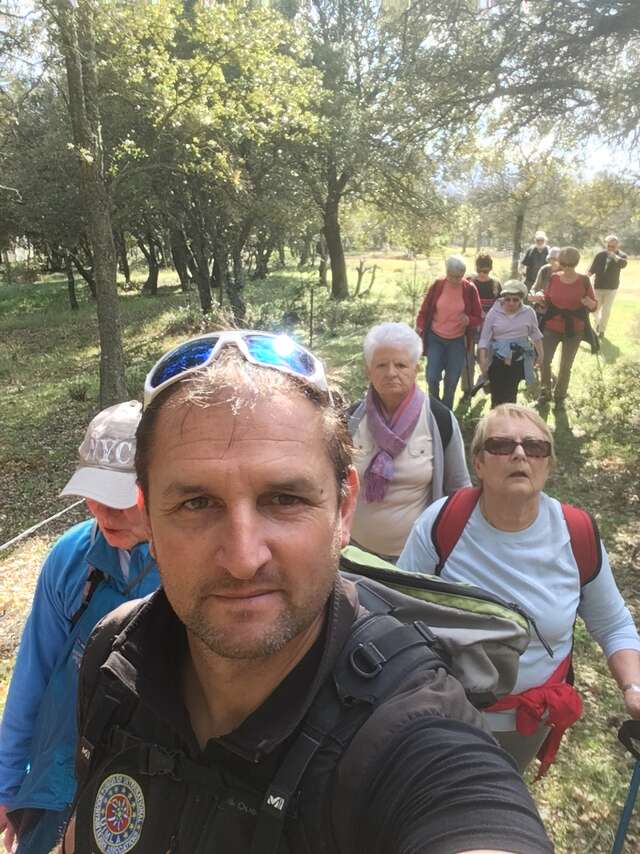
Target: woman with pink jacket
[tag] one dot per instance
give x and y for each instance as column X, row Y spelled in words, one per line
column 448, row 315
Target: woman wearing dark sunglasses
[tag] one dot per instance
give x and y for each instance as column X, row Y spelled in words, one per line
column 516, row 544
column 510, row 344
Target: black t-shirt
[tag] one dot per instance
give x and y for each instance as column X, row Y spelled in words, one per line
column 418, row 776
column 489, row 290
column 534, row 258
column 433, row 785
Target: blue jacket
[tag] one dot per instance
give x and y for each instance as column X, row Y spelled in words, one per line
column 38, row 730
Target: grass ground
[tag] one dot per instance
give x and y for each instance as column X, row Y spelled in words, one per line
column 48, row 370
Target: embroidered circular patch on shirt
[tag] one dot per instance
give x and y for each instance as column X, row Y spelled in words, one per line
column 118, row 814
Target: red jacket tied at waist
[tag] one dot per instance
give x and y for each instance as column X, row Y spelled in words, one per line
column 556, row 704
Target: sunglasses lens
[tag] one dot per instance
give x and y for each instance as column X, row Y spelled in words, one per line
column 536, row 448
column 281, row 352
column 190, row 355
column 502, row 447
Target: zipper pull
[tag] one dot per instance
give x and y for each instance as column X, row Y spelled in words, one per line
column 522, row 612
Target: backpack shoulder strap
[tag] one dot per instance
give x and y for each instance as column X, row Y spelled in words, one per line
column 585, row 542
column 442, row 417
column 450, row 522
column 354, row 415
column 97, row 701
column 379, row 655
column 94, row 578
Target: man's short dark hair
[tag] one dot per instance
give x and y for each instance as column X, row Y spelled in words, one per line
column 234, row 382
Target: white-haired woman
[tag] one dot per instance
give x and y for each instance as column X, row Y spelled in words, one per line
column 449, row 313
column 409, row 449
column 517, row 542
column 510, row 345
column 547, row 270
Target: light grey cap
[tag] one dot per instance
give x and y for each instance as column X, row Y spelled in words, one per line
column 106, row 470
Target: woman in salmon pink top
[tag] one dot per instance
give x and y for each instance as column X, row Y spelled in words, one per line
column 568, row 299
column 448, row 315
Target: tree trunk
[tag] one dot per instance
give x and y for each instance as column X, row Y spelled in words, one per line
column 179, row 254
column 86, row 274
column 71, row 283
column 7, row 266
column 123, row 261
column 235, row 285
column 517, row 240
column 219, row 272
column 150, row 287
column 263, row 255
column 200, row 271
column 282, row 258
column 331, row 230
column 55, row 260
column 360, row 270
column 321, row 249
column 75, row 22
column 305, row 252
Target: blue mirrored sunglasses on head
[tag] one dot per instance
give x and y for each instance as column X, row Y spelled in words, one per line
column 279, row 352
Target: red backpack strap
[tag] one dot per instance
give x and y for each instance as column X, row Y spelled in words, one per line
column 450, row 522
column 585, row 542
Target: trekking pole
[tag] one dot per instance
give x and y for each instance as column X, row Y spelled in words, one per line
column 629, row 735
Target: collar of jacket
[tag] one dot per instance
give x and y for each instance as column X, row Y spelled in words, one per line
column 144, row 654
column 109, row 559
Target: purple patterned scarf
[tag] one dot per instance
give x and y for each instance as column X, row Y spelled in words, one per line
column 390, row 436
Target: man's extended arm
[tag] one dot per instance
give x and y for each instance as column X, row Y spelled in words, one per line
column 422, row 775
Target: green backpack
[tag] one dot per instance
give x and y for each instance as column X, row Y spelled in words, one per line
column 479, row 637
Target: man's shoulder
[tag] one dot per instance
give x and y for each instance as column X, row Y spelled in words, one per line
column 77, row 538
column 114, row 626
column 67, row 556
column 424, row 746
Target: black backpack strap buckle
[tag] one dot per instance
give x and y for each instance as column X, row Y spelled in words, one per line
column 157, row 762
column 367, row 660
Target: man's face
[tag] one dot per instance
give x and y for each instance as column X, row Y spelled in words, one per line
column 122, row 529
column 539, row 242
column 515, row 476
column 612, row 246
column 245, row 523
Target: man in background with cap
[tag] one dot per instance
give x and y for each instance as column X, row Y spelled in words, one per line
column 534, row 258
column 606, row 267
column 94, row 567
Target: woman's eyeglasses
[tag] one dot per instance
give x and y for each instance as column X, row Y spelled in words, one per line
column 508, row 298
column 260, row 348
column 504, row 447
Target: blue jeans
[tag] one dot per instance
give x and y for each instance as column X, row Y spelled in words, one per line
column 444, row 355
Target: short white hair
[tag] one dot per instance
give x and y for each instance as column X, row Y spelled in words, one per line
column 455, row 265
column 398, row 335
column 554, row 252
column 611, row 237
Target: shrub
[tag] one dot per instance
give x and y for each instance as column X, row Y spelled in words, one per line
column 609, row 404
column 78, row 390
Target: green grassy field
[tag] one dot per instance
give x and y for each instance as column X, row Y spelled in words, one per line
column 48, row 376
